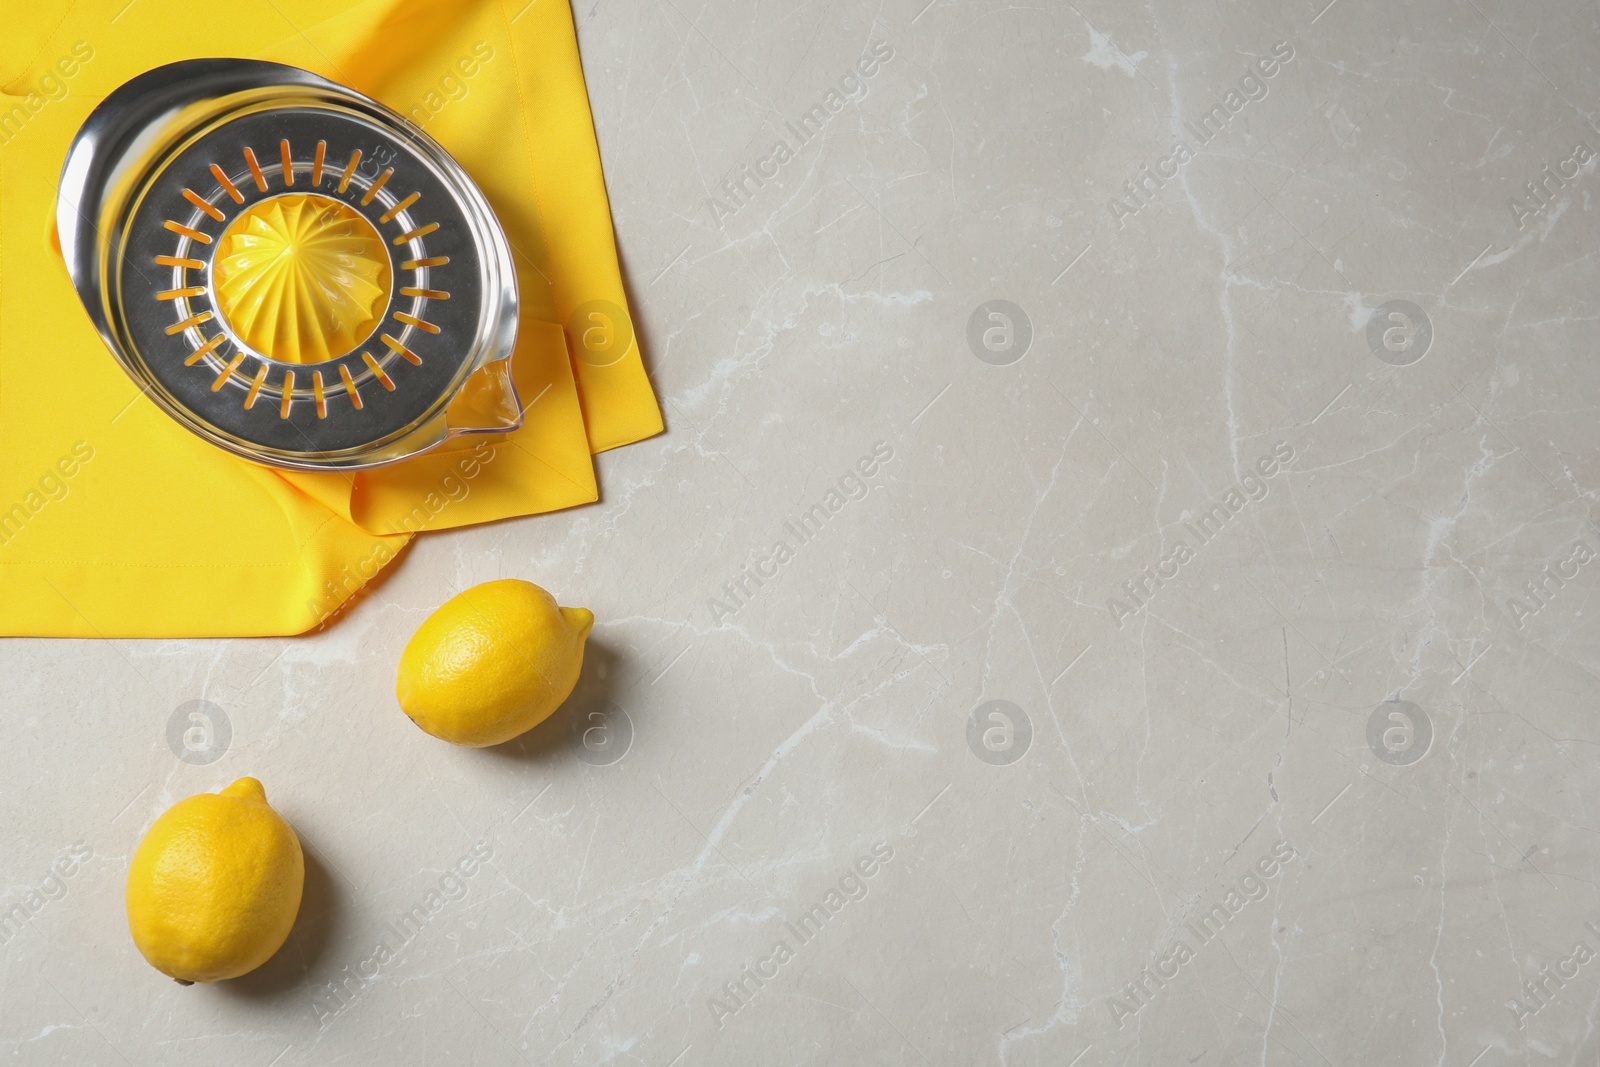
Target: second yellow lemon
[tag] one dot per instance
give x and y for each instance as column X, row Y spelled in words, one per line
column 215, row 885
column 492, row 663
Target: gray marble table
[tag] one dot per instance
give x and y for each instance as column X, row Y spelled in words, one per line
column 1117, row 587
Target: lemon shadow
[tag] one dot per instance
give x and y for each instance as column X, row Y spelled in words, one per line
column 320, row 908
column 561, row 735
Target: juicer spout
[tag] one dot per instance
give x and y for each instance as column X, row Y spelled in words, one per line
column 487, row 403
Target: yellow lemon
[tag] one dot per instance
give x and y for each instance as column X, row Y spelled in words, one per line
column 492, row 662
column 215, row 885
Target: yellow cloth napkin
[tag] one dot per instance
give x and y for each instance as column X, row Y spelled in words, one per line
column 115, row 521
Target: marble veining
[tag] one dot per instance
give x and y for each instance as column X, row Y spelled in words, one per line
column 1117, row 587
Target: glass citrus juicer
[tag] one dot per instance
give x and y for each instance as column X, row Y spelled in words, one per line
column 288, row 268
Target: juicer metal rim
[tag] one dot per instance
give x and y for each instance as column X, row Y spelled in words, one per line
column 146, row 132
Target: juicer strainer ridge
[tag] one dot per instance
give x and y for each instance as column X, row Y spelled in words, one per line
column 289, row 268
